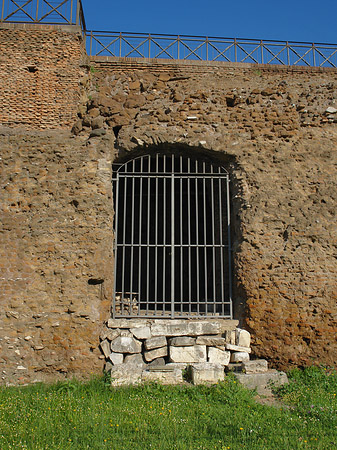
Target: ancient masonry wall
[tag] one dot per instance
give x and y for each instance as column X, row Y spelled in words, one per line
column 274, row 128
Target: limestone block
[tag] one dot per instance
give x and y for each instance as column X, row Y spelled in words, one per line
column 255, row 366
column 105, row 346
column 242, row 338
column 181, row 366
column 238, row 348
column 239, row 357
column 156, row 353
column 141, row 333
column 163, row 376
column 182, row 341
column 108, row 366
column 127, row 323
column 116, row 358
column 135, row 360
column 262, row 381
column 194, row 354
column 124, row 344
column 228, row 325
column 204, row 373
column 157, row 362
column 155, row 342
column 213, row 341
column 230, row 337
column 125, row 374
column 217, row 356
column 186, row 328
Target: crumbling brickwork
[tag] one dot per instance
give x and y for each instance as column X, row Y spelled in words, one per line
column 273, row 128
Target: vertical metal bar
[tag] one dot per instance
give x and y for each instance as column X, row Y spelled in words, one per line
column 37, row 11
column 229, row 248
column 213, row 239
column 149, row 45
column 178, row 41
column 91, row 43
column 132, row 235
column 313, row 55
column 115, row 244
column 235, row 51
column 172, row 239
column 221, row 242
column 70, row 21
column 78, row 12
column 288, row 54
column 123, row 241
column 148, row 239
column 140, row 265
column 120, row 44
column 261, row 52
column 156, row 242
column 206, row 48
column 189, row 235
column 181, row 238
column 197, row 235
column 205, row 235
column 164, row 235
column 2, row 10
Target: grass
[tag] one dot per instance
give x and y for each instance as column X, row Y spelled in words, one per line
column 74, row 415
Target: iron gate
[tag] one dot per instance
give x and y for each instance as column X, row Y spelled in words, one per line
column 172, row 238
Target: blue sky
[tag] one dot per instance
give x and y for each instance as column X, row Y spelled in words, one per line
column 293, row 20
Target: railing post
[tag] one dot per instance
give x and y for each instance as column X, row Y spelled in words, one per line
column 2, row 10
column 288, row 55
column 313, row 55
column 261, row 44
column 90, row 50
column 178, row 42
column 78, row 7
column 149, row 45
column 206, row 48
column 120, row 45
column 71, row 12
column 235, row 51
column 37, row 11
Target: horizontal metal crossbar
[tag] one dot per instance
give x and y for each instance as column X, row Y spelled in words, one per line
column 201, row 48
column 65, row 12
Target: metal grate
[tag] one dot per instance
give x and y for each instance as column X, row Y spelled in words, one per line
column 172, row 238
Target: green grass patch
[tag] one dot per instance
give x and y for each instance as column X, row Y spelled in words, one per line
column 74, row 415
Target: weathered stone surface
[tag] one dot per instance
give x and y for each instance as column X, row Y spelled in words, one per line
column 213, row 341
column 207, row 373
column 156, row 353
column 255, row 366
column 126, row 374
column 155, row 342
column 239, row 357
column 105, row 346
column 186, row 329
column 331, row 110
column 182, row 341
column 127, row 323
column 242, row 338
column 217, row 356
column 168, row 376
column 230, row 336
column 194, row 354
column 238, row 348
column 262, row 382
column 116, row 358
column 135, row 359
column 141, row 333
column 157, row 362
column 126, row 345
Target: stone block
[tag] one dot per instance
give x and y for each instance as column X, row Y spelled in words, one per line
column 207, row 373
column 182, row 341
column 135, row 360
column 228, row 325
column 181, row 366
column 238, row 348
column 105, row 346
column 239, row 357
column 163, row 376
column 124, row 344
column 230, row 336
column 127, row 323
column 217, row 356
column 126, row 374
column 155, row 342
column 255, row 366
column 262, row 382
column 242, row 338
column 186, row 328
column 156, row 353
column 212, row 341
column 194, row 354
column 157, row 362
column 141, row 332
column 116, row 358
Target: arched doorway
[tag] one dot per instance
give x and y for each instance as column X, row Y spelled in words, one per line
column 172, row 238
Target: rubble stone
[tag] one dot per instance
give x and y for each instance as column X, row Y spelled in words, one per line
column 126, row 345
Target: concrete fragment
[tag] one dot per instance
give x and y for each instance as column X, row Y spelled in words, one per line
column 125, row 374
column 116, row 358
column 163, row 376
column 156, row 353
column 213, row 341
column 242, row 338
column 141, row 333
column 255, row 366
column 124, row 344
column 238, row 348
column 155, row 342
column 183, row 341
column 194, row 354
column 205, row 373
column 217, row 356
column 105, row 346
column 239, row 357
column 262, row 382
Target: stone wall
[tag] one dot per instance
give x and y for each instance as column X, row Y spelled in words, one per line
column 274, row 129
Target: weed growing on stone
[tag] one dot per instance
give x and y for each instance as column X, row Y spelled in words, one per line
column 75, row 415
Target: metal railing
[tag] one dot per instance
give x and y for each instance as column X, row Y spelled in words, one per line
column 199, row 48
column 59, row 12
